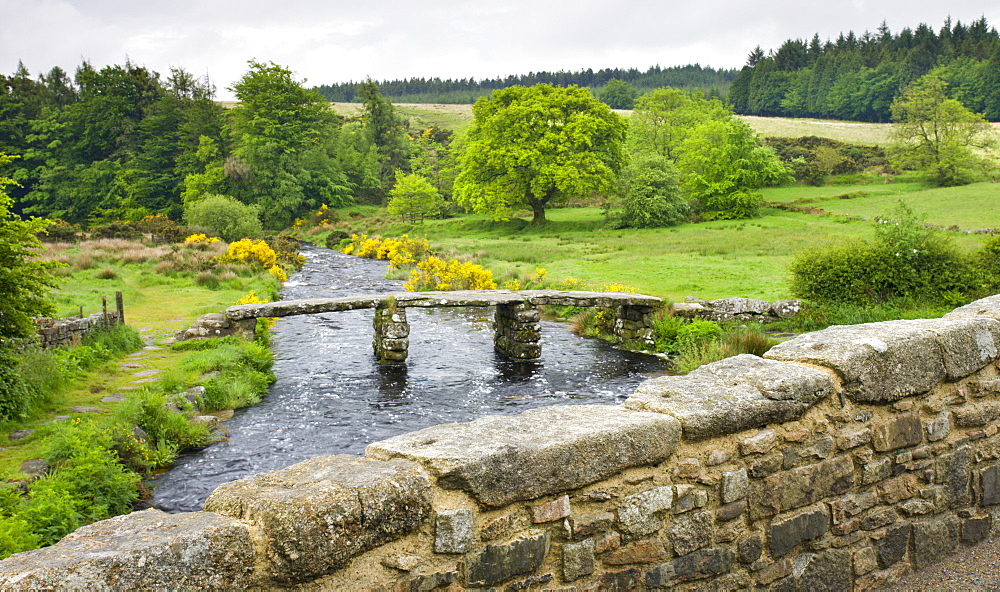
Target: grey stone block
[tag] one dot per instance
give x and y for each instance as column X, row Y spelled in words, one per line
column 829, row 571
column 637, row 512
column 734, row 485
column 900, row 432
column 893, row 545
column 789, row 531
column 703, row 564
column 148, row 550
column 453, row 531
column 578, row 559
column 543, row 451
column 933, row 540
column 878, row 362
column 496, row 563
column 733, row 395
column 989, row 482
column 692, row 533
column 316, row 515
column 988, row 307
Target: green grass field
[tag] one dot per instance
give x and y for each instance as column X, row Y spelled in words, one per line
column 458, row 118
column 969, row 207
column 709, row 260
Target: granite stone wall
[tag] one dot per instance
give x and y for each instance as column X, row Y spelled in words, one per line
column 69, row 331
column 841, row 460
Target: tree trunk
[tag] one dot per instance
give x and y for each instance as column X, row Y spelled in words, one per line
column 537, row 210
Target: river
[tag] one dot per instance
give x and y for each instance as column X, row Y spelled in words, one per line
column 331, row 397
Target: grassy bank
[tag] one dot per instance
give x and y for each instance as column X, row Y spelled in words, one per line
column 106, row 415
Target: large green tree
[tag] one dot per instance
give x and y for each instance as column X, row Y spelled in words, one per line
column 284, row 160
column 938, row 135
column 24, row 281
column 618, row 94
column 535, row 146
column 386, row 130
column 722, row 166
column 663, row 118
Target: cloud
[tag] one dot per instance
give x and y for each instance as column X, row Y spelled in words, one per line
column 335, row 41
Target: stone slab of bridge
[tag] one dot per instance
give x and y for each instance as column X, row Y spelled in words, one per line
column 516, row 331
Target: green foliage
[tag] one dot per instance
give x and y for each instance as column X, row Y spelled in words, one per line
column 276, row 109
column 722, row 166
column 812, row 158
column 24, row 281
column 50, row 514
column 16, row 397
column 537, row 146
column 618, row 94
column 937, row 134
column 232, row 390
column 245, row 370
column 858, row 77
column 906, row 259
column 733, row 340
column 664, row 118
column 651, row 194
column 413, row 196
column 386, row 130
column 225, row 216
column 16, row 535
column 147, row 409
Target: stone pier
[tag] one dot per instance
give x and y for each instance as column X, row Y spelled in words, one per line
column 634, row 325
column 517, row 333
column 391, row 341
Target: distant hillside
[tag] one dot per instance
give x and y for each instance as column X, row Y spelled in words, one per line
column 857, row 77
column 466, row 90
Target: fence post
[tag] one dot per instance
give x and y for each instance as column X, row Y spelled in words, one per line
column 104, row 307
column 120, row 305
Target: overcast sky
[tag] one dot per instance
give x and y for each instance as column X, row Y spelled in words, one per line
column 328, row 41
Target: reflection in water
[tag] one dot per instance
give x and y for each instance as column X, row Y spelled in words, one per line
column 331, row 397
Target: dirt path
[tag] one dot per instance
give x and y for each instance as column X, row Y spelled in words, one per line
column 970, row 568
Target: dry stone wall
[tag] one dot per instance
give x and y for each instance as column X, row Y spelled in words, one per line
column 841, row 460
column 69, row 331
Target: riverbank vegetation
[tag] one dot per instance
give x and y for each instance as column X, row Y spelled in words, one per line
column 85, row 428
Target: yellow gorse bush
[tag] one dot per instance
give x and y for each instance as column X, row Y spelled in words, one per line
column 401, row 252
column 251, row 298
column 201, row 238
column 437, row 274
column 255, row 251
column 251, row 250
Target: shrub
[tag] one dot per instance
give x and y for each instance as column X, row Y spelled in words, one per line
column 906, row 259
column 250, row 251
column 16, row 399
column 437, row 274
column 60, row 231
column 146, row 409
column 115, row 229
column 161, row 229
column 225, row 216
column 106, row 274
column 651, row 196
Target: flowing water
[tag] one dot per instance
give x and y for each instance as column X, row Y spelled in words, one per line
column 330, row 397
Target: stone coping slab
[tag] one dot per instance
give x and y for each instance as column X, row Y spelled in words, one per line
column 988, row 307
column 887, row 361
column 317, row 514
column 733, row 395
column 503, row 459
column 284, row 308
column 148, row 550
